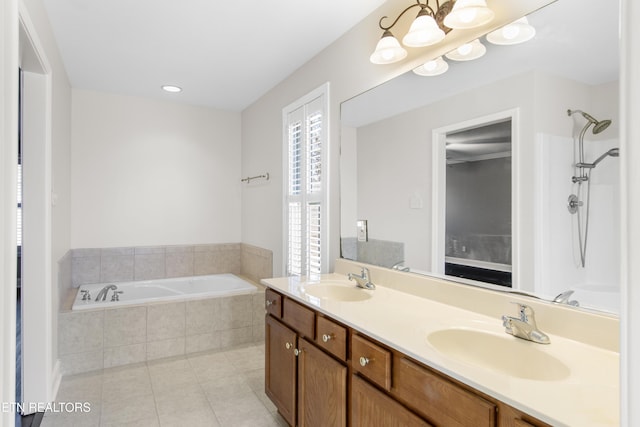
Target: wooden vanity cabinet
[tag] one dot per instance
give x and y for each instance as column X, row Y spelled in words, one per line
column 373, row 408
column 280, row 367
column 321, row 373
column 322, row 388
column 438, row 399
column 307, row 385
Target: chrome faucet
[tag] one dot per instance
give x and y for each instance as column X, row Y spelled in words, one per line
column 363, row 280
column 564, row 298
column 102, row 295
column 524, row 326
column 400, row 266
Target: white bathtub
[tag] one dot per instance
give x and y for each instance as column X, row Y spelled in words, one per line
column 180, row 288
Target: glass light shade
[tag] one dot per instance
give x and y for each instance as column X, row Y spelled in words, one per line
column 424, row 31
column 435, row 67
column 518, row 31
column 388, row 50
column 468, row 51
column 468, row 14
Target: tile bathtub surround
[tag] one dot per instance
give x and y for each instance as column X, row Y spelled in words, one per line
column 217, row 388
column 109, row 337
column 159, row 262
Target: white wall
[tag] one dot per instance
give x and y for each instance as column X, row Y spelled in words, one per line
column 148, row 172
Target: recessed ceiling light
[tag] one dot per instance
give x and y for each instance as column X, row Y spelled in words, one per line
column 171, row 88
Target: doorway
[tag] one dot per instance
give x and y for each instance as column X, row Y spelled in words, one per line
column 35, row 374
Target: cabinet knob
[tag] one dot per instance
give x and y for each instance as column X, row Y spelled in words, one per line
column 326, row 337
column 270, row 303
column 288, row 346
column 364, row 361
column 297, row 352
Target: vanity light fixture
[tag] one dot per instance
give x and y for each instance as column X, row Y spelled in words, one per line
column 171, row 88
column 430, row 26
column 468, row 14
column 435, row 67
column 468, row 51
column 519, row 31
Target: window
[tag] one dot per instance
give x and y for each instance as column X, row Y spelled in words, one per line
column 305, row 205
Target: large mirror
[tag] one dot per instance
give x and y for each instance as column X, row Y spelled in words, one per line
column 563, row 232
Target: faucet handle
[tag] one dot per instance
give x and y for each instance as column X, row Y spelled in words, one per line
column 525, row 311
column 116, row 295
column 86, row 296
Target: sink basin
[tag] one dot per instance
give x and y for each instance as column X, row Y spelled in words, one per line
column 504, row 354
column 337, row 292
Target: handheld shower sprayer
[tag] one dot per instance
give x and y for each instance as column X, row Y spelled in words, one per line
column 614, row 152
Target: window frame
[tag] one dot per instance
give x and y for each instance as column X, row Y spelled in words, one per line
column 322, row 197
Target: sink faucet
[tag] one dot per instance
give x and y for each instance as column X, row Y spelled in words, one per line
column 564, row 298
column 524, row 326
column 363, row 280
column 399, row 266
column 102, row 295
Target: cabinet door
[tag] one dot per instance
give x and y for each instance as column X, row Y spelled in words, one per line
column 280, row 368
column 372, row 408
column 322, row 388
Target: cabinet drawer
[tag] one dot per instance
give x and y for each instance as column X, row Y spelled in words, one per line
column 332, row 337
column 439, row 400
column 273, row 303
column 372, row 408
column 299, row 318
column 371, row 360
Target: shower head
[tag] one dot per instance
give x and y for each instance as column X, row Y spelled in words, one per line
column 598, row 126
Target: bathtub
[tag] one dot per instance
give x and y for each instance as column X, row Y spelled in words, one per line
column 180, row 288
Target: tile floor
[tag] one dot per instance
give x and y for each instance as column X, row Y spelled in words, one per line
column 223, row 388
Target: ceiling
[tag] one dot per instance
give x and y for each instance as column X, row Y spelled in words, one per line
column 224, row 54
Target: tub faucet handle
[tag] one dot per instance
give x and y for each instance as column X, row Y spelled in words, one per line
column 86, row 296
column 116, row 295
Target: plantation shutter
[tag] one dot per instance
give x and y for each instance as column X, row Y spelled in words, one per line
column 306, row 188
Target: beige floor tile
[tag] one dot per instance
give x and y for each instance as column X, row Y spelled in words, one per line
column 255, row 379
column 181, row 400
column 81, row 388
column 196, row 418
column 218, row 388
column 126, row 384
column 247, row 417
column 226, row 408
column 227, row 388
column 172, row 374
column 212, row 367
column 120, row 412
column 75, row 419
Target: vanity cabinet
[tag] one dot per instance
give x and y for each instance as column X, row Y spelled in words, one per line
column 307, row 384
column 372, row 408
column 319, row 372
column 280, row 367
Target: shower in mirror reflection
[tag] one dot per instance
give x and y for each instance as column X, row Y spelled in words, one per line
column 578, row 203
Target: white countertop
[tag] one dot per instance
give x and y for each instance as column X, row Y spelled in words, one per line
column 587, row 396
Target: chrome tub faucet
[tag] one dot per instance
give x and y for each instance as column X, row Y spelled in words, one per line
column 565, row 298
column 524, row 326
column 102, row 295
column 363, row 280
